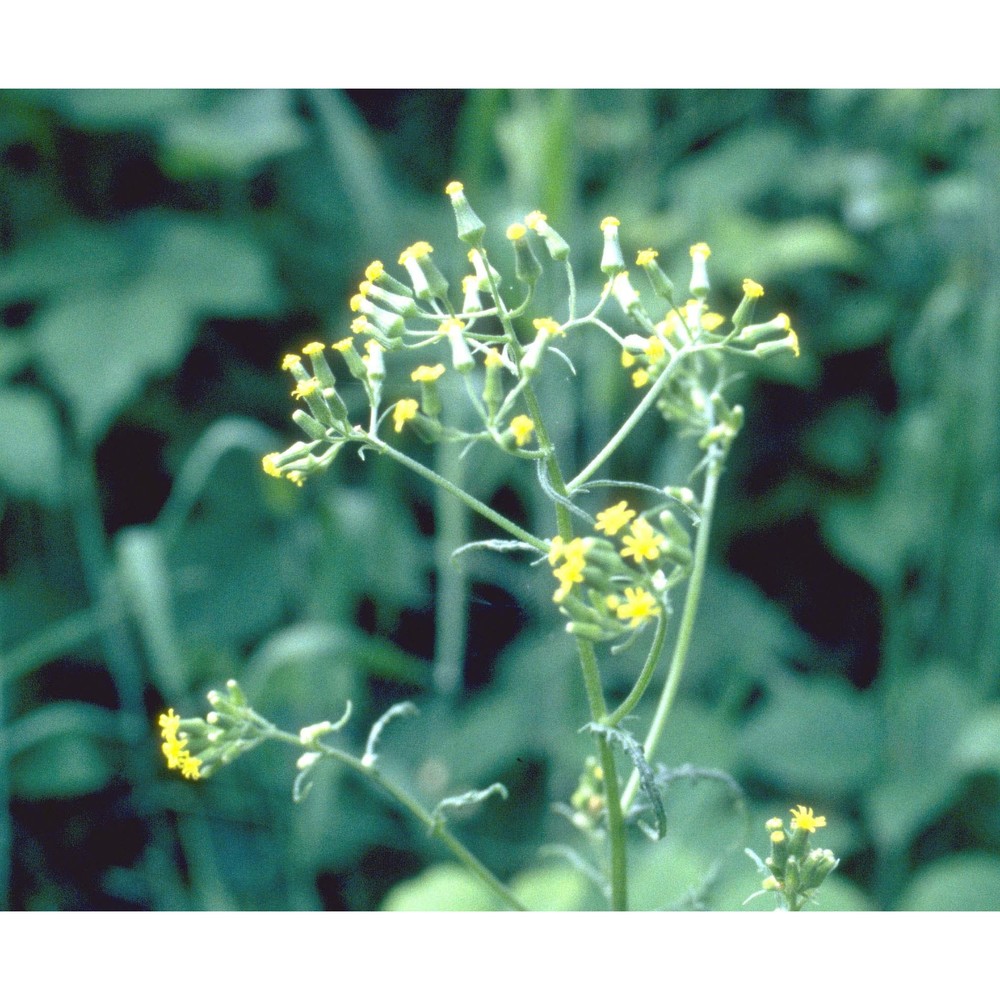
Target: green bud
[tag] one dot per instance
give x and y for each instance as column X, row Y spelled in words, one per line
column 662, row 285
column 405, row 305
column 557, row 247
column 471, row 228
column 351, row 357
column 461, row 357
column 527, row 269
column 309, row 424
column 484, row 271
column 612, row 261
column 700, row 287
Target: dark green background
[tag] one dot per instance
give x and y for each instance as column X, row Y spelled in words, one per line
column 161, row 250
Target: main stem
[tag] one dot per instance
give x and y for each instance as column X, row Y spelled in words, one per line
column 585, row 650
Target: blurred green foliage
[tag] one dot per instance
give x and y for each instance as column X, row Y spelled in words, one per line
column 161, row 250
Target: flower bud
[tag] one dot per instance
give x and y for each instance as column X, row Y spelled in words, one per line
column 662, row 285
column 744, row 311
column 483, row 271
column 527, row 269
column 374, row 361
column 557, row 247
column 353, row 360
column 430, row 397
column 309, row 424
column 470, row 227
column 612, row 261
column 320, row 366
column 428, row 282
column 376, row 273
column 700, row 253
column 471, row 303
column 461, row 356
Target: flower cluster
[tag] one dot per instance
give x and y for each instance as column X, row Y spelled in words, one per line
column 605, row 591
column 197, row 746
column 795, row 870
column 174, row 746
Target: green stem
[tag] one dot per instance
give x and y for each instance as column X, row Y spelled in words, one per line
column 686, row 627
column 645, row 675
column 434, row 826
column 452, row 599
column 588, row 660
column 633, row 418
column 470, row 501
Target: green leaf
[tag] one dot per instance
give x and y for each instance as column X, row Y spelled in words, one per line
column 816, row 738
column 59, row 750
column 965, row 881
column 555, row 889
column 442, row 888
column 101, row 109
column 98, row 348
column 920, row 775
column 30, row 445
column 233, row 133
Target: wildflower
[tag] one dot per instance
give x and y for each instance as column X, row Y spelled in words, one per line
column 643, row 543
column 271, row 468
column 406, row 409
column 175, row 749
column 640, row 378
column 313, row 348
column 573, row 553
column 305, row 387
column 343, row 345
column 493, row 358
column 538, row 222
column 523, row 427
column 527, row 268
column 803, row 818
column 549, row 326
column 374, row 270
column 645, row 257
column 289, row 361
column 612, row 261
column 169, row 723
column 751, row 289
column 638, row 605
column 415, row 251
column 612, row 519
column 700, row 253
column 470, row 227
column 427, row 373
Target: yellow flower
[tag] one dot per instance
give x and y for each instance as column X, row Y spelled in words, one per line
column 701, row 250
column 493, row 358
column 803, row 818
column 533, row 219
column 523, row 427
column 313, row 348
column 612, row 519
column 416, row 250
column 406, row 409
column 516, row 231
column 751, row 289
column 454, row 187
column 271, row 468
column 190, row 767
column 427, row 373
column 640, row 377
column 343, row 345
column 289, row 361
column 374, row 270
column 609, row 221
column 646, row 257
column 305, row 387
column 638, row 605
column 655, row 349
column 628, row 359
column 169, row 723
column 794, row 338
column 549, row 326
column 643, row 543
